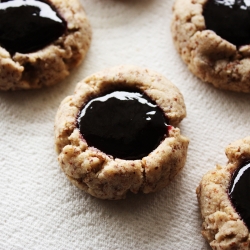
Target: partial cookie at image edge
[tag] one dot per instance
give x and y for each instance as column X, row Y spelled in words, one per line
column 211, row 58
column 222, row 226
column 54, row 62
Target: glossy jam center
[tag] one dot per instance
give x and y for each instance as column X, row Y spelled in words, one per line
column 126, row 125
column 239, row 192
column 230, row 19
column 27, row 26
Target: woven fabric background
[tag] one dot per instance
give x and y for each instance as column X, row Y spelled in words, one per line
column 40, row 209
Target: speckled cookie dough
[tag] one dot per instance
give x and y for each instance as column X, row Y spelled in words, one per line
column 222, row 226
column 106, row 177
column 207, row 55
column 51, row 64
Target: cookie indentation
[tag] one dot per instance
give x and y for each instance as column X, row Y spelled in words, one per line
column 239, row 192
column 124, row 124
column 28, row 26
column 229, row 19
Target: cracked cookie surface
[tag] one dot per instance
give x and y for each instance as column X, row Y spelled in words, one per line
column 102, row 175
column 208, row 56
column 53, row 63
column 222, row 226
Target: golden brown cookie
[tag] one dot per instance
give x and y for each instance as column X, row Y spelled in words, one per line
column 224, row 199
column 25, row 65
column 107, row 176
column 211, row 55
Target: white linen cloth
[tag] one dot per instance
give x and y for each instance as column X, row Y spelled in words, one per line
column 40, row 209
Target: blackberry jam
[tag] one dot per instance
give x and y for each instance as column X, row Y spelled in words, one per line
column 230, row 19
column 124, row 124
column 239, row 192
column 28, row 26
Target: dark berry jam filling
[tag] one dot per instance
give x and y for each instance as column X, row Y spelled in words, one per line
column 239, row 192
column 230, row 19
column 124, row 124
column 28, row 26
